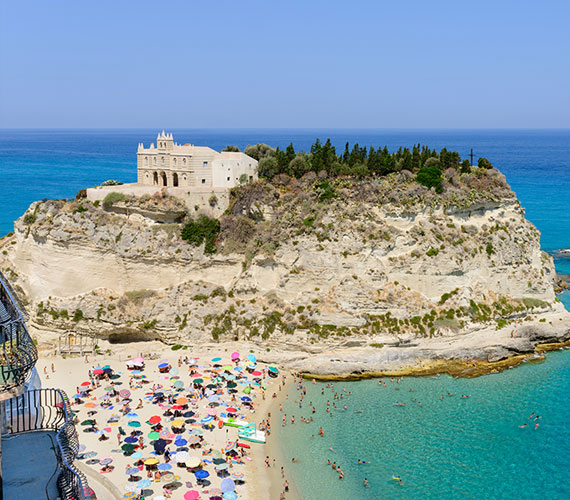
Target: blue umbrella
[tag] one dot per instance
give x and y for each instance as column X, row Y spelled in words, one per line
column 252, row 358
column 132, row 471
column 245, row 398
column 227, row 484
column 143, row 483
column 132, row 415
column 164, row 467
column 230, row 495
column 215, row 360
column 201, row 474
column 181, row 442
column 207, row 419
column 163, row 365
column 131, row 439
column 137, row 454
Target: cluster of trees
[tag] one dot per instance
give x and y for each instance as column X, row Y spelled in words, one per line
column 359, row 161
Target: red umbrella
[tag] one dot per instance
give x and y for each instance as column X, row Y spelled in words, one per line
column 256, row 373
column 98, row 371
column 154, row 420
column 231, row 410
column 85, row 384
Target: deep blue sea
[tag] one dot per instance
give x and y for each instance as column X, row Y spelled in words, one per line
column 455, row 448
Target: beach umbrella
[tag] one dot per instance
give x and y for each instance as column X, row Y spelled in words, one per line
column 137, row 454
column 164, row 467
column 252, row 358
column 230, row 446
column 256, row 373
column 181, row 401
column 131, row 439
column 143, row 483
column 188, row 414
column 178, row 384
column 207, row 419
column 131, row 415
column 227, row 484
column 191, row 495
column 164, row 434
column 246, row 390
column 88, row 422
column 180, row 442
column 201, row 474
column 151, row 461
column 230, row 495
column 193, row 439
column 193, row 462
column 163, row 365
column 134, row 423
column 227, row 367
column 159, row 444
column 273, row 369
column 128, row 447
column 213, row 397
column 212, row 411
column 246, row 398
column 237, row 475
column 198, row 380
column 173, row 371
column 106, row 461
column 93, row 461
column 85, row 384
column 155, row 419
column 130, row 495
column 132, row 471
column 153, row 435
column 109, row 388
column 223, row 466
column 216, row 360
column 177, row 423
column 231, row 385
column 231, row 410
column 98, row 371
column 181, row 456
column 235, row 355
column 125, row 393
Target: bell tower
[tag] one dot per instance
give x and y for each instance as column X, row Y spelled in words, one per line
column 164, row 142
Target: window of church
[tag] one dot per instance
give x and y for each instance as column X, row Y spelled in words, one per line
column 203, row 181
column 205, row 164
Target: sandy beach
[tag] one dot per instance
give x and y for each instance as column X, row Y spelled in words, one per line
column 145, row 420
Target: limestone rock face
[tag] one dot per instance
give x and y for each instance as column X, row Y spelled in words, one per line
column 373, row 265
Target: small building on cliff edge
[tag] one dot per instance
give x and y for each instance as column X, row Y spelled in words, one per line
column 195, row 174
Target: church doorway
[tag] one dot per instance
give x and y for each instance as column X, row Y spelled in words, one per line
column 175, row 180
column 163, row 177
column 155, row 179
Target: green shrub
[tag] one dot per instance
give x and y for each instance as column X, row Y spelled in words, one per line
column 176, row 347
column 202, row 229
column 80, row 209
column 78, row 315
column 484, row 163
column 490, row 250
column 325, row 191
column 113, row 198
column 309, row 221
column 430, row 177
column 432, row 252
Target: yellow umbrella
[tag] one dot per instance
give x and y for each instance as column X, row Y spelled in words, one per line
column 151, row 461
column 177, row 423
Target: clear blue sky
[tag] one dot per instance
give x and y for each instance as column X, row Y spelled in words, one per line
column 257, row 64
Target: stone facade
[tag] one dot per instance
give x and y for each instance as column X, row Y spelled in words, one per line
column 174, row 165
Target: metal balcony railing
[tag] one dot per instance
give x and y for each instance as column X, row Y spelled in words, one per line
column 49, row 410
column 18, row 353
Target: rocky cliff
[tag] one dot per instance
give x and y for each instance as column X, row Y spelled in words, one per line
column 311, row 263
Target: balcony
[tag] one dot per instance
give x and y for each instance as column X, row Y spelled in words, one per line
column 39, row 446
column 18, row 354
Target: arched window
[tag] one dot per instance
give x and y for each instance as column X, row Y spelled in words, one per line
column 162, row 160
column 155, row 179
column 164, row 181
column 184, row 161
column 155, row 161
column 175, row 180
column 146, row 161
column 174, row 161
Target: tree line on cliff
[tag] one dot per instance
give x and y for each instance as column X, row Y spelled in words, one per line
column 358, row 161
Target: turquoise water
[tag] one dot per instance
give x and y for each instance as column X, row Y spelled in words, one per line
column 455, row 448
column 445, row 449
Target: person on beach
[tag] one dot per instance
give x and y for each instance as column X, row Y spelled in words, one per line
column 365, row 482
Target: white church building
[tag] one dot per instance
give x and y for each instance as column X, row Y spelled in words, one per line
column 195, row 174
column 169, row 164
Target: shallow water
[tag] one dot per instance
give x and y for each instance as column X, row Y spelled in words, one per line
column 445, row 449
